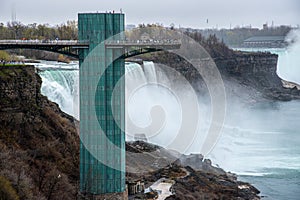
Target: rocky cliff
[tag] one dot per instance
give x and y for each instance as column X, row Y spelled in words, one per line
column 249, row 76
column 258, row 71
column 39, row 144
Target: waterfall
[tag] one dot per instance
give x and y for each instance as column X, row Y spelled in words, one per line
column 289, row 61
column 150, row 72
column 162, row 105
column 61, row 85
column 152, row 110
column 156, row 107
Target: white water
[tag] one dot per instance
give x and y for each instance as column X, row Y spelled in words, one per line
column 289, row 62
column 61, row 85
column 156, row 105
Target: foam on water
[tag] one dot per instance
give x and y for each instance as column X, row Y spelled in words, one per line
column 61, row 85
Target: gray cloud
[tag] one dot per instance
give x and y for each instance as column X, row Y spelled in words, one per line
column 187, row 13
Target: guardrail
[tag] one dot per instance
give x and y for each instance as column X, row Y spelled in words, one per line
column 77, row 42
column 42, row 42
column 142, row 42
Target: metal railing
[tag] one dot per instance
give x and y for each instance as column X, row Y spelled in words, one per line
column 142, row 42
column 45, row 42
column 108, row 43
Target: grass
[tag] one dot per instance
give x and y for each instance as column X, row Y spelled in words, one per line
column 11, row 65
column 8, row 72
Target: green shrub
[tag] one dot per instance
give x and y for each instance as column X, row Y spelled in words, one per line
column 4, row 56
column 7, row 192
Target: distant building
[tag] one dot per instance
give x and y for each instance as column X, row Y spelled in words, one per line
column 265, row 42
column 129, row 27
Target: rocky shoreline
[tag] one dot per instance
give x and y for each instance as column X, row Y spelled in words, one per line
column 193, row 176
column 40, row 151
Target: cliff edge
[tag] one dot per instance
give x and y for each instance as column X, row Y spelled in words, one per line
column 39, row 144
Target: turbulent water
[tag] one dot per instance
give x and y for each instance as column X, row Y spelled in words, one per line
column 260, row 143
column 61, row 85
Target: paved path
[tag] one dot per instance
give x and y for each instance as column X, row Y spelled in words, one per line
column 164, row 186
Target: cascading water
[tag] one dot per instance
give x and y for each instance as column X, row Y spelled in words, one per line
column 289, row 60
column 142, row 95
column 155, row 104
column 60, row 85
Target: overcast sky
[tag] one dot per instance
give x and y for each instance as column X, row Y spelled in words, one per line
column 184, row 13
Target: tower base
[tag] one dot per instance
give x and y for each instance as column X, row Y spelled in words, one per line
column 108, row 196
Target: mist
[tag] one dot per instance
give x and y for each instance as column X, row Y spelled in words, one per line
column 166, row 112
column 289, row 60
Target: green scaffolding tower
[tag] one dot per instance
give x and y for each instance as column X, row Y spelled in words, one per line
column 102, row 97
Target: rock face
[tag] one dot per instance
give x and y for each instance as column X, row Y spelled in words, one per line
column 201, row 185
column 258, row 71
column 39, row 144
column 193, row 176
column 197, row 162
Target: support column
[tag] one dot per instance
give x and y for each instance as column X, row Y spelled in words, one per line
column 102, row 147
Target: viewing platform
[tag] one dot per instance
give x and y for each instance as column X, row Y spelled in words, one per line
column 133, row 48
column 172, row 44
column 70, row 47
column 66, row 47
column 44, row 43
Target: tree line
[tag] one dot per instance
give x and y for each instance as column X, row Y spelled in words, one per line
column 18, row 30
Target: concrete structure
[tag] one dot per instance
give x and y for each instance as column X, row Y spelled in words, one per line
column 102, row 101
column 135, row 187
column 71, row 47
column 66, row 47
column 102, row 148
